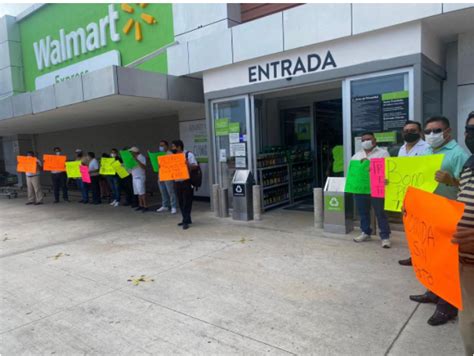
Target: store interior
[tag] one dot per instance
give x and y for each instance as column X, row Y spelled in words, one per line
column 299, row 143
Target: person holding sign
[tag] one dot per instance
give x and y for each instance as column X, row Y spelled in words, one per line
column 438, row 136
column 35, row 194
column 184, row 188
column 95, row 178
column 365, row 201
column 168, row 194
column 59, row 180
column 114, row 181
column 464, row 237
column 139, row 179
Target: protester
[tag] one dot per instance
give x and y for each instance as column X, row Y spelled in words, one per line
column 465, row 238
column 105, row 189
column 139, row 179
column 126, row 185
column 94, row 174
column 59, row 179
column 184, row 188
column 414, row 146
column 438, row 136
column 85, row 187
column 168, row 194
column 35, row 194
column 365, row 201
column 114, row 181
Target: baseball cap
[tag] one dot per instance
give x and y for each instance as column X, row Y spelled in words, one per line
column 134, row 149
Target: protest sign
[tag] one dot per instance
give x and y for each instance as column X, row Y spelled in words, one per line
column 173, row 167
column 26, row 164
column 358, row 179
column 86, row 178
column 54, row 163
column 128, row 160
column 430, row 221
column 154, row 159
column 404, row 172
column 106, row 168
column 122, row 172
column 72, row 169
column 377, row 177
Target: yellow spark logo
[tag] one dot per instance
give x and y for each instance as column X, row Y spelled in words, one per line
column 150, row 20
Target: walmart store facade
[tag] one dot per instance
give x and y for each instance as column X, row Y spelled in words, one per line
column 281, row 89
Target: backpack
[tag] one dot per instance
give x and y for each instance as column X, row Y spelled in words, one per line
column 195, row 175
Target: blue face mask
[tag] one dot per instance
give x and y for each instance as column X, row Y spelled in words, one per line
column 162, row 149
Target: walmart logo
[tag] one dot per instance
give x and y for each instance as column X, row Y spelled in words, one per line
column 148, row 19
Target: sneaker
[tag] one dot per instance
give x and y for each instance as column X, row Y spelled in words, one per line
column 362, row 237
column 173, row 210
column 386, row 243
column 160, row 210
column 113, row 202
column 116, row 204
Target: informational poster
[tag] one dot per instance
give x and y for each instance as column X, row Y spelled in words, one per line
column 238, row 150
column 240, row 162
column 394, row 110
column 222, row 127
column 194, row 136
column 366, row 114
column 234, row 138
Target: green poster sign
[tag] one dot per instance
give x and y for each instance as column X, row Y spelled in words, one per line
column 395, row 95
column 333, row 203
column 154, row 159
column 62, row 39
column 222, row 127
column 234, row 127
column 128, row 161
column 358, row 179
column 389, row 137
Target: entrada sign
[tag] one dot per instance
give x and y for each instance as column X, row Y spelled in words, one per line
column 287, row 68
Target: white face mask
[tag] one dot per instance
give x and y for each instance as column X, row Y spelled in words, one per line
column 162, row 149
column 435, row 139
column 58, row 153
column 367, row 145
column 113, row 155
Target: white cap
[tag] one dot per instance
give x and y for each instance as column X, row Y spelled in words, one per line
column 134, row 149
column 78, row 150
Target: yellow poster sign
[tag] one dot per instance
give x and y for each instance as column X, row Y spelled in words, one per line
column 403, row 172
column 122, row 172
column 72, row 169
column 106, row 168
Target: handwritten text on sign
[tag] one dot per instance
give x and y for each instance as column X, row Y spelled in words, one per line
column 404, row 172
column 173, row 167
column 377, row 177
column 54, row 163
column 26, row 164
column 358, row 179
column 429, row 232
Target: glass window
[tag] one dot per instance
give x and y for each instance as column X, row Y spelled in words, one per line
column 431, row 96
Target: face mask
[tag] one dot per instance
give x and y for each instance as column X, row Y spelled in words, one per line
column 435, row 140
column 58, row 153
column 174, row 151
column 113, row 155
column 162, row 149
column 411, row 137
column 470, row 142
column 367, row 145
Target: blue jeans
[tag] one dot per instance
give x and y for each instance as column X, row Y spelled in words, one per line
column 363, row 203
column 167, row 194
column 84, row 191
column 115, row 187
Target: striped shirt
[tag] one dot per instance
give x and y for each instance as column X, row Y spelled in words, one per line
column 466, row 196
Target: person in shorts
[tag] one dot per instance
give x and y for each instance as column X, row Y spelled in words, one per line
column 139, row 179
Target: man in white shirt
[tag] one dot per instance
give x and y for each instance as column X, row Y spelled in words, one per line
column 59, row 180
column 365, row 201
column 139, row 179
column 94, row 174
column 184, row 188
column 35, row 194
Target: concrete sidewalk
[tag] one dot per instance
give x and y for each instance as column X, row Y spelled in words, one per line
column 278, row 286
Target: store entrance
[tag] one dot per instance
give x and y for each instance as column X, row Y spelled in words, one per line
column 299, row 143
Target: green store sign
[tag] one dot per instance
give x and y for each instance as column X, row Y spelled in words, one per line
column 60, row 41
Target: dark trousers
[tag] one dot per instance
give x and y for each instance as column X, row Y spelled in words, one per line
column 442, row 305
column 185, row 194
column 126, row 185
column 59, row 183
column 363, row 203
column 95, row 187
column 114, row 186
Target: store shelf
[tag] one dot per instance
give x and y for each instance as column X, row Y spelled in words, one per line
column 302, row 162
column 302, row 179
column 273, row 167
column 299, row 196
column 274, row 186
column 266, row 207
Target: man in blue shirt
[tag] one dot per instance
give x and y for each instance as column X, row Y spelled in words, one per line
column 438, row 136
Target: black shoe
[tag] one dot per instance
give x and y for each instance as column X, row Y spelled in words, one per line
column 406, row 262
column 138, row 208
column 40, row 203
column 185, row 226
column 439, row 318
column 85, row 202
column 56, row 201
column 144, row 210
column 181, row 224
column 424, row 298
column 29, row 203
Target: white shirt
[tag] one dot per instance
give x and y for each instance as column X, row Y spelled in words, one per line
column 93, row 166
column 139, row 172
column 190, row 161
column 419, row 149
column 38, row 162
column 377, row 152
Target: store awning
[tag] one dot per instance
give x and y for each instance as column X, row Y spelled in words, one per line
column 113, row 94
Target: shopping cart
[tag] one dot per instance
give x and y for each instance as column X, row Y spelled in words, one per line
column 8, row 185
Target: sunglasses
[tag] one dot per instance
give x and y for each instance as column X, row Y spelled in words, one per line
column 436, row 131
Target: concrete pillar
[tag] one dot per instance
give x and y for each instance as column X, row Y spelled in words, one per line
column 318, row 207
column 465, row 81
column 257, row 202
column 224, row 203
column 215, row 198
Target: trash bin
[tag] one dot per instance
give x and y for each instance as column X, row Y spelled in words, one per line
column 338, row 207
column 242, row 195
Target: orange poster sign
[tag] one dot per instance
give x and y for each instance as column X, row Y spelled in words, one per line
column 54, row 163
column 430, row 222
column 26, row 164
column 173, row 167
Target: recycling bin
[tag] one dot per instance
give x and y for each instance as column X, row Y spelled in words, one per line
column 338, row 207
column 242, row 194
